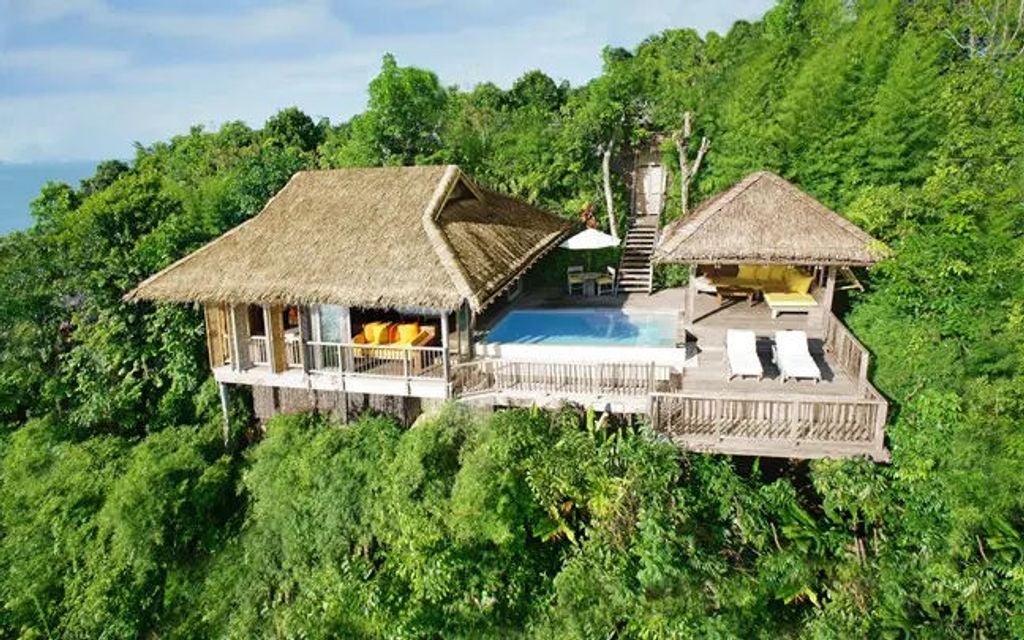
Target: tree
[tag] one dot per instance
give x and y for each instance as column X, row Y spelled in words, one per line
column 292, row 127
column 687, row 171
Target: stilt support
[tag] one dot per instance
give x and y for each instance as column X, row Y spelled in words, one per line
column 224, row 409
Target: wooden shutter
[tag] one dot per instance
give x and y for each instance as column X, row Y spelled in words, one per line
column 216, row 318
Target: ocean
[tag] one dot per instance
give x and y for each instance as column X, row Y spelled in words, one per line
column 20, row 185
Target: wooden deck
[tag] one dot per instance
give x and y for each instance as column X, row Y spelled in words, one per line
column 698, row 407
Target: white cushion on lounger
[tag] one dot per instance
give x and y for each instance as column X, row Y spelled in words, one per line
column 741, row 348
column 794, row 357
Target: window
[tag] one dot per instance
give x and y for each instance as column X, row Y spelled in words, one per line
column 256, row 325
column 330, row 323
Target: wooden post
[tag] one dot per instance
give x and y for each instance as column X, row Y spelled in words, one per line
column 862, row 375
column 239, row 316
column 794, row 418
column 458, row 331
column 691, row 296
column 274, row 322
column 445, row 356
column 305, row 333
column 223, row 388
column 830, row 289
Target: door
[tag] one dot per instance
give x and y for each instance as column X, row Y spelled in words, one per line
column 330, row 326
column 651, row 181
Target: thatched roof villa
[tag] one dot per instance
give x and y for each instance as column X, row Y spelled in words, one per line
column 390, row 288
column 765, row 219
column 385, row 237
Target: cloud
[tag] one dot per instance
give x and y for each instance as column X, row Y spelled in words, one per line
column 147, row 93
column 34, row 11
column 64, row 62
column 301, row 19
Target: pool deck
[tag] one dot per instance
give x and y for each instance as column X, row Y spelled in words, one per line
column 696, row 404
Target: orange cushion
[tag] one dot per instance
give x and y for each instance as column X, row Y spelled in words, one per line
column 408, row 331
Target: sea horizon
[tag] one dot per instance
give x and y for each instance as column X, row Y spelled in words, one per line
column 21, row 182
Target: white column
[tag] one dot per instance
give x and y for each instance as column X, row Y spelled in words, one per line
column 224, row 409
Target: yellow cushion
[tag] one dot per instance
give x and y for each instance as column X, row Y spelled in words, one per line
column 777, row 272
column 789, row 300
column 798, row 282
column 376, row 332
column 408, row 331
column 747, row 272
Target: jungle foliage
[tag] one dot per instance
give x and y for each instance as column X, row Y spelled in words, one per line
column 122, row 514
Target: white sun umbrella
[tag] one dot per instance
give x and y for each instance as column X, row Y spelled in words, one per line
column 590, row 240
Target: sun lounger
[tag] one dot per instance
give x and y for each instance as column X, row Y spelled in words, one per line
column 741, row 352
column 793, row 357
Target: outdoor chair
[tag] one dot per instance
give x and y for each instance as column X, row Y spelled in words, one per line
column 606, row 284
column 741, row 353
column 574, row 279
column 793, row 357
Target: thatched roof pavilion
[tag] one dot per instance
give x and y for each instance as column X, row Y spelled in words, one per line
column 765, row 219
column 387, row 237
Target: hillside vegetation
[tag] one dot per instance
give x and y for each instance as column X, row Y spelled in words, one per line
column 122, row 515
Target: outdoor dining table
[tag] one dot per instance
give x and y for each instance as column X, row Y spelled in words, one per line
column 590, row 282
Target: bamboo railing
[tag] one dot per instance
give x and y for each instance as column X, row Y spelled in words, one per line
column 795, row 425
column 619, row 378
column 846, row 351
column 375, row 360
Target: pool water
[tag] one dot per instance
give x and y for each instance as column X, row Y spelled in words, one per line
column 586, row 327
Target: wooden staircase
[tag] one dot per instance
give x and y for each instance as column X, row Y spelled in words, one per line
column 647, row 197
column 635, row 270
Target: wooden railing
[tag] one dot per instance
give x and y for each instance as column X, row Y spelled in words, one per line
column 259, row 350
column 620, row 378
column 375, row 360
column 845, row 350
column 814, row 425
column 293, row 353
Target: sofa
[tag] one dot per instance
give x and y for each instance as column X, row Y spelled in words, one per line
column 767, row 279
column 397, row 338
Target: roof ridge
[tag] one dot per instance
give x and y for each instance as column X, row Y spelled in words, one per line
column 715, row 203
column 439, row 241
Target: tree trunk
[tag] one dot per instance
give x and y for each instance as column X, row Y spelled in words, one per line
column 687, row 172
column 606, row 175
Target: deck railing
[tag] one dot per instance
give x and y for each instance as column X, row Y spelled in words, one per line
column 808, row 424
column 375, row 360
column 618, row 378
column 293, row 354
column 847, row 352
column 259, row 350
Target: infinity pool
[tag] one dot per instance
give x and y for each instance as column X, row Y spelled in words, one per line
column 602, row 327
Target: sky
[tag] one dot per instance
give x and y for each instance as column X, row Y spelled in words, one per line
column 85, row 79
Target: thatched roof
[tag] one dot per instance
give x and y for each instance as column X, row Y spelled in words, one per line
column 765, row 219
column 382, row 237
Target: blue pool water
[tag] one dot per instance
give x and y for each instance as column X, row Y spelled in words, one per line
column 586, row 327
